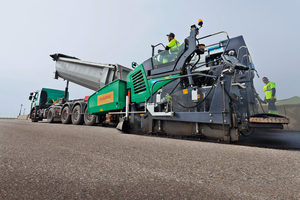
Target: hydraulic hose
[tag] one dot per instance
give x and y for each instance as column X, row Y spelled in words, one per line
column 182, row 76
column 199, row 101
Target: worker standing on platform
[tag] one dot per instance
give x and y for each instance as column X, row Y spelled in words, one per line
column 270, row 95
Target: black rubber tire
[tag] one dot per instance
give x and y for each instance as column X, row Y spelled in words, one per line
column 89, row 119
column 32, row 116
column 247, row 132
column 65, row 116
column 77, row 118
column 50, row 115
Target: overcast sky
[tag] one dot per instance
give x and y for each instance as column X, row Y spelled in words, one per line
column 123, row 31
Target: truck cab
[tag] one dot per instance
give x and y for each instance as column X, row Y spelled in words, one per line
column 41, row 100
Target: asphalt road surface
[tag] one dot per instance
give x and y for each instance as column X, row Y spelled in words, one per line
column 278, row 139
column 55, row 161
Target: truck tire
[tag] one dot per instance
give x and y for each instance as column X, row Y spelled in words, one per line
column 50, row 116
column 32, row 115
column 89, row 119
column 65, row 115
column 77, row 118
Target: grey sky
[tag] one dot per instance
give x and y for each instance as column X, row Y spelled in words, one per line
column 122, row 32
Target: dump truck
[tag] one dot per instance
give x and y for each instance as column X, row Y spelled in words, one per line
column 197, row 89
column 55, row 105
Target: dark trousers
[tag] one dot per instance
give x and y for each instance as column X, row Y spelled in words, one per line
column 271, row 106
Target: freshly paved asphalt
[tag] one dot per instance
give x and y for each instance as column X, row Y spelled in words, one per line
column 55, row 161
column 279, row 139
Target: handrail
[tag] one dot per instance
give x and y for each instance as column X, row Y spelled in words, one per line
column 228, row 39
column 153, row 46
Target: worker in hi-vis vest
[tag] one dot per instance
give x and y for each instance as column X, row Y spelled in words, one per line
column 270, row 95
column 171, row 49
column 174, row 44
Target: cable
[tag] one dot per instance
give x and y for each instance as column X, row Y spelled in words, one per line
column 196, row 62
column 176, row 86
column 198, row 102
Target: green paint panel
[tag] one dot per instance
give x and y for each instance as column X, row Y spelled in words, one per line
column 140, row 87
column 111, row 97
column 54, row 94
column 48, row 96
column 160, row 84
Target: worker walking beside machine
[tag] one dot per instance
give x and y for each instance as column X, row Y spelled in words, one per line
column 270, row 95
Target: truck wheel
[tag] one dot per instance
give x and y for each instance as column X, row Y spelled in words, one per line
column 32, row 115
column 65, row 115
column 89, row 119
column 77, row 118
column 50, row 116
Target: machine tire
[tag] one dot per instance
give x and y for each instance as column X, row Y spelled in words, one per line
column 50, row 115
column 32, row 115
column 248, row 132
column 89, row 119
column 77, row 118
column 65, row 116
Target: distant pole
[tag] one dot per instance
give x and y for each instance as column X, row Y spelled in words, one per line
column 24, row 111
column 20, row 109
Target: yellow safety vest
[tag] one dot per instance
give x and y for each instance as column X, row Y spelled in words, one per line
column 268, row 90
column 174, row 46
